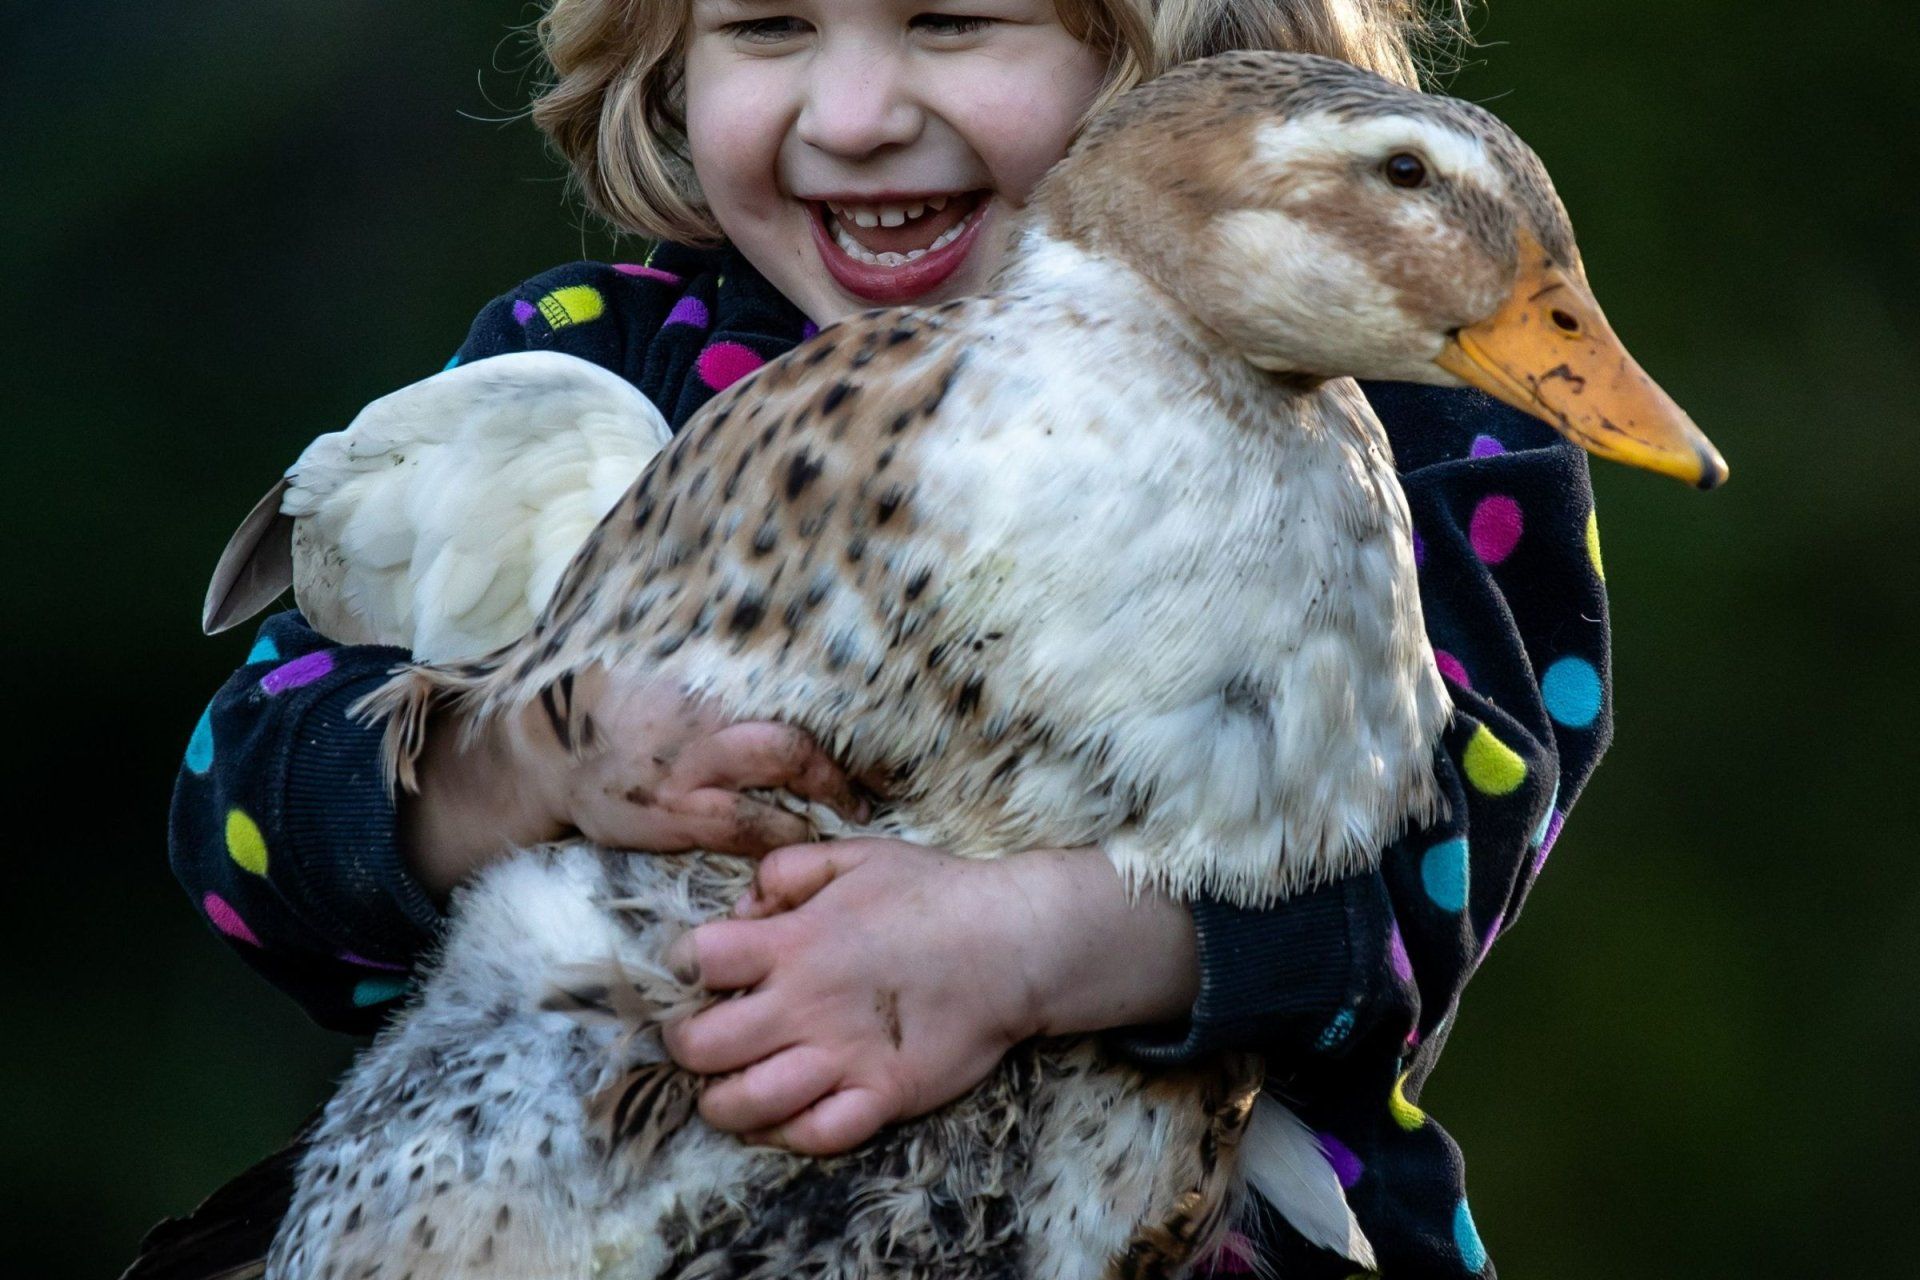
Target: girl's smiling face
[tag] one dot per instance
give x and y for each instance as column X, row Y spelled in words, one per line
column 867, row 152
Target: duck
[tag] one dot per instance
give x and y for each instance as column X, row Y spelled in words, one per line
column 1114, row 553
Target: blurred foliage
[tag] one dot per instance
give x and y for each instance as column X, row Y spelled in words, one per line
column 227, row 224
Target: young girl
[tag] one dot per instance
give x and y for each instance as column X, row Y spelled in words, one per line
column 834, row 155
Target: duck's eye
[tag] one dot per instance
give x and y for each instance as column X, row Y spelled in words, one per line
column 1405, row 169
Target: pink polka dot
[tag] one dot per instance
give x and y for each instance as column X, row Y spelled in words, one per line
column 1452, row 668
column 227, row 920
column 302, row 670
column 365, row 963
column 1234, row 1257
column 1346, row 1165
column 1397, row 956
column 1495, row 528
column 646, row 272
column 523, row 311
column 725, row 363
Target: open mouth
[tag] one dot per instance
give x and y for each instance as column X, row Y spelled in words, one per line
column 895, row 251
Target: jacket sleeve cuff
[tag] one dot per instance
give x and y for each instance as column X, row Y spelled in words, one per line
column 344, row 870
column 1277, row 979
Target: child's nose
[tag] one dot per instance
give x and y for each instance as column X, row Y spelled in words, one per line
column 857, row 103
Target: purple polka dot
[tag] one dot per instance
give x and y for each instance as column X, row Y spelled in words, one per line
column 809, row 331
column 689, row 310
column 365, row 963
column 1493, row 932
column 303, row 670
column 1495, row 528
column 1234, row 1257
column 1419, row 549
column 1397, row 956
column 645, row 272
column 227, row 920
column 1452, row 668
column 1346, row 1165
column 523, row 311
column 1486, row 447
column 1554, row 824
column 725, row 363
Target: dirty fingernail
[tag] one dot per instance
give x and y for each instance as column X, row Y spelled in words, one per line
column 683, row 959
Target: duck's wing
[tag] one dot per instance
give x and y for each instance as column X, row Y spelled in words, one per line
column 441, row 517
column 256, row 566
column 228, row 1235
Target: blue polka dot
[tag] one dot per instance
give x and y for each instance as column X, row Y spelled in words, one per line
column 1572, row 691
column 1336, row 1032
column 454, row 363
column 370, row 991
column 200, row 745
column 1443, row 871
column 264, row 650
column 1546, row 819
column 1466, row 1238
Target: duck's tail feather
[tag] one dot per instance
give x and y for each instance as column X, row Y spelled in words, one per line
column 228, row 1235
column 1286, row 1165
column 408, row 700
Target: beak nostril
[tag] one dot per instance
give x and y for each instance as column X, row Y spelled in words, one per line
column 1564, row 321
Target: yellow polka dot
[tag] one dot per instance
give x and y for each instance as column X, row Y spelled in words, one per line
column 245, row 844
column 1405, row 1114
column 575, row 304
column 1593, row 544
column 1493, row 767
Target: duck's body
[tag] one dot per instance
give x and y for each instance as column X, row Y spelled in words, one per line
column 1111, row 555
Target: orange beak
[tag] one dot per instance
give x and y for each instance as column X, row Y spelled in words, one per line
column 1550, row 352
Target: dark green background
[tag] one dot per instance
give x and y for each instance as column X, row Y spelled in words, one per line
column 228, row 224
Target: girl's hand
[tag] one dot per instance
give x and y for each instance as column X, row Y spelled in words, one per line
column 665, row 774
column 885, row 979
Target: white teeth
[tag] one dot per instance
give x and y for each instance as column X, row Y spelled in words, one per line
column 915, row 210
column 937, row 203
column 867, row 218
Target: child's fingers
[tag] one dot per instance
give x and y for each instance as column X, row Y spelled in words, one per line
column 838, row 1122
column 790, row 876
column 725, row 955
column 745, row 756
column 769, row 1092
column 730, row 1035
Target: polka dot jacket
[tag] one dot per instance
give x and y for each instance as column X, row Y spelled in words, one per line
column 284, row 837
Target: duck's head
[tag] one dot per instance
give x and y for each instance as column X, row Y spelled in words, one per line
column 1321, row 221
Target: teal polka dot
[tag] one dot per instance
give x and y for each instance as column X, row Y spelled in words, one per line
column 264, row 650
column 1572, row 691
column 454, row 363
column 1443, row 871
column 200, row 745
column 1336, row 1032
column 1466, row 1238
column 370, row 991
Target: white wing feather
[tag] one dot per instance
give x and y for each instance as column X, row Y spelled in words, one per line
column 441, row 519
column 1284, row 1162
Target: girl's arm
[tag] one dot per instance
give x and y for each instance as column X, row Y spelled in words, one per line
column 282, row 830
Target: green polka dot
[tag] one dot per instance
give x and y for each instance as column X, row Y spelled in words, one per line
column 1493, row 768
column 245, row 845
column 575, row 304
column 1405, row 1114
column 1593, row 545
column 372, row 991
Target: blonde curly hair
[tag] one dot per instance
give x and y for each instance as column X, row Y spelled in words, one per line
column 613, row 103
